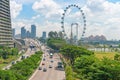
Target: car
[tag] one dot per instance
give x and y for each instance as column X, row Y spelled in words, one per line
column 50, row 66
column 51, row 61
column 43, row 59
column 13, row 62
column 43, row 63
column 44, row 69
column 60, row 65
column 40, row 68
column 22, row 57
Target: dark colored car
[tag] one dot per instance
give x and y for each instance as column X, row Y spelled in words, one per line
column 50, row 66
column 44, row 69
column 40, row 68
column 13, row 62
column 43, row 59
column 43, row 63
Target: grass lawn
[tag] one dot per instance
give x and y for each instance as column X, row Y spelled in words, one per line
column 109, row 55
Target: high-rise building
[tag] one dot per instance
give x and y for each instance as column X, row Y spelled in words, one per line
column 33, row 31
column 13, row 32
column 28, row 34
column 5, row 24
column 23, row 33
column 44, row 35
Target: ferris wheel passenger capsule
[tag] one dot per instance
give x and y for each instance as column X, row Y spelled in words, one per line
column 66, row 7
column 84, row 20
column 85, row 28
column 72, row 5
column 84, row 24
column 69, row 6
column 64, row 10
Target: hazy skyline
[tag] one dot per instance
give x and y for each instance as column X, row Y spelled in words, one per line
column 103, row 16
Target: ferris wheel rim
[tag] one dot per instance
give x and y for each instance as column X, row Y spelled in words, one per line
column 83, row 17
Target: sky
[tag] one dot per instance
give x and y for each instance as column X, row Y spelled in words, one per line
column 102, row 16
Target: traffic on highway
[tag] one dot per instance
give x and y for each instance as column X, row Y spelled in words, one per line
column 50, row 68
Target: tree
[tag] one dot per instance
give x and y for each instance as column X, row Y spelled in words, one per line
column 69, row 73
column 60, row 35
column 117, row 57
column 42, row 40
column 71, row 52
column 53, row 34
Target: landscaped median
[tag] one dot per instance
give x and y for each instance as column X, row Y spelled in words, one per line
column 23, row 69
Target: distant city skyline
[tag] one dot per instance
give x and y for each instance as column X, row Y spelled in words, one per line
column 103, row 16
column 28, row 33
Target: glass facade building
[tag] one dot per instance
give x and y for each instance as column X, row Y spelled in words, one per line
column 33, row 31
column 13, row 32
column 44, row 35
column 5, row 24
column 23, row 33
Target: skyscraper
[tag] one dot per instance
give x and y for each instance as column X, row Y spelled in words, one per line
column 28, row 34
column 13, row 32
column 44, row 35
column 23, row 33
column 33, row 31
column 5, row 24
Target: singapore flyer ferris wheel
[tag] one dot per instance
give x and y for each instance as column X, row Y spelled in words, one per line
column 73, row 25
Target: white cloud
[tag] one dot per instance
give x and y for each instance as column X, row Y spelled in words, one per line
column 48, row 8
column 106, row 15
column 21, row 23
column 15, row 8
column 24, row 1
column 47, row 26
column 35, row 17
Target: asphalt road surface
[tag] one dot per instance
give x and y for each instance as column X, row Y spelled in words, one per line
column 51, row 73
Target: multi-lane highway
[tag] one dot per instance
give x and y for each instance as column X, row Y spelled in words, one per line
column 51, row 73
column 29, row 51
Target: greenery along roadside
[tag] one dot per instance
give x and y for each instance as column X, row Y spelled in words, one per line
column 6, row 52
column 22, row 70
column 70, row 53
column 55, row 44
column 86, row 66
column 7, row 55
